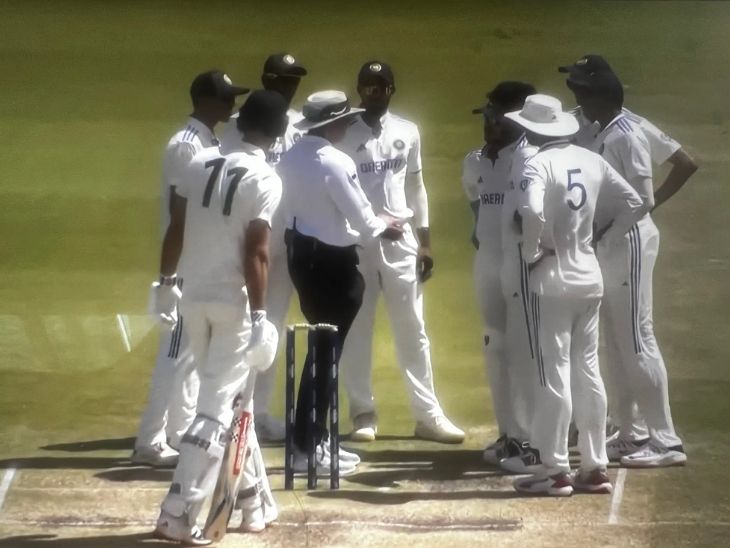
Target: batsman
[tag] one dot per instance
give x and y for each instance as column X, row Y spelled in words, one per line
column 219, row 234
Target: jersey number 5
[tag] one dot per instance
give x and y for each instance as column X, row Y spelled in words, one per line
column 575, row 185
column 236, row 174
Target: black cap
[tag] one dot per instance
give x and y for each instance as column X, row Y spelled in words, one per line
column 264, row 111
column 588, row 64
column 214, row 83
column 600, row 84
column 376, row 69
column 283, row 64
column 508, row 94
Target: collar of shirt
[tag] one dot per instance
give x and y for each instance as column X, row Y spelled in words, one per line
column 253, row 150
column 203, row 130
column 611, row 123
column 556, row 142
column 507, row 149
column 382, row 122
column 315, row 140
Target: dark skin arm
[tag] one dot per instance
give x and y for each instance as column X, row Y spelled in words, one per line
column 424, row 260
column 256, row 262
column 173, row 242
column 683, row 166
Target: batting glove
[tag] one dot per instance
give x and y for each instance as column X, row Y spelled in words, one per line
column 261, row 349
column 163, row 299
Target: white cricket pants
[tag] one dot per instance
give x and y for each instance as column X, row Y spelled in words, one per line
column 173, row 391
column 278, row 295
column 567, row 381
column 504, row 343
column 390, row 268
column 635, row 370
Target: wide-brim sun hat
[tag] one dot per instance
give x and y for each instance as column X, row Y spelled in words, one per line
column 324, row 107
column 543, row 115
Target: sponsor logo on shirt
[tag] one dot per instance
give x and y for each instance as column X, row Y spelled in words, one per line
column 381, row 166
column 492, row 198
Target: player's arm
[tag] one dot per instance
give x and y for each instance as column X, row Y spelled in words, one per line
column 417, row 201
column 628, row 205
column 636, row 160
column 468, row 183
column 531, row 210
column 173, row 241
column 683, row 167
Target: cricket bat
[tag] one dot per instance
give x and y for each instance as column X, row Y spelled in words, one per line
column 229, row 477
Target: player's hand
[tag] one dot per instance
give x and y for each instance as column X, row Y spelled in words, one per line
column 261, row 349
column 517, row 219
column 474, row 239
column 545, row 253
column 394, row 230
column 424, row 264
column 163, row 301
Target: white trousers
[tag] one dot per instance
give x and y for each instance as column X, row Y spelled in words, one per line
column 390, row 268
column 635, row 370
column 172, row 393
column 506, row 346
column 278, row 295
column 568, row 380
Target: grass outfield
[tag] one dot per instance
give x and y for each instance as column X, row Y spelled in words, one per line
column 90, row 93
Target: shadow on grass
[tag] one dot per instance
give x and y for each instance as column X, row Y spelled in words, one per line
column 130, row 474
column 112, row 444
column 69, row 463
column 105, row 541
column 380, row 498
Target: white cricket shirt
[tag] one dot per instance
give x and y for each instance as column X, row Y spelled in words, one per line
column 180, row 149
column 562, row 185
column 383, row 158
column 322, row 194
column 224, row 194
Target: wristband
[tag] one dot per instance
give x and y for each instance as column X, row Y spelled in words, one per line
column 168, row 280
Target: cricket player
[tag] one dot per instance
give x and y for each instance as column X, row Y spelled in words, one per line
column 498, row 276
column 564, row 185
column 281, row 73
column 219, row 234
column 636, row 371
column 387, row 152
column 174, row 384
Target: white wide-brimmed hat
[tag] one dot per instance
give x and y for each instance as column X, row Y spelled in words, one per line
column 324, row 107
column 543, row 115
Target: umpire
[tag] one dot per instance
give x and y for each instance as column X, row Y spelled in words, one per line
column 327, row 216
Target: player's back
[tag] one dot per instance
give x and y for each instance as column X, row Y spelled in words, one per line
column 224, row 194
column 573, row 179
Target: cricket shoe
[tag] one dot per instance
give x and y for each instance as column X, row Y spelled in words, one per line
column 157, row 454
column 595, row 482
column 525, row 461
column 269, row 429
column 655, row 456
column 364, row 427
column 495, row 451
column 439, row 429
column 178, row 529
column 345, row 455
column 257, row 515
column 322, row 458
column 557, row 485
column 619, row 448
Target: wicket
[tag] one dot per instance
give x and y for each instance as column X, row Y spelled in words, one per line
column 312, row 331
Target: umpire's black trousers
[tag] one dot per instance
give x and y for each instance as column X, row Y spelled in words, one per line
column 330, row 289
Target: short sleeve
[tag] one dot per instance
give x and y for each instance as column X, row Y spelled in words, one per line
column 469, row 177
column 635, row 156
column 267, row 198
column 661, row 145
column 176, row 165
column 414, row 153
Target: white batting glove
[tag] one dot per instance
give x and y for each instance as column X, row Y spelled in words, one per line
column 261, row 349
column 163, row 300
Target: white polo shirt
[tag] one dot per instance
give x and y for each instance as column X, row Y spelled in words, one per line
column 383, row 159
column 562, row 185
column 661, row 145
column 224, row 194
column 489, row 182
column 322, row 195
column 232, row 139
column 180, row 149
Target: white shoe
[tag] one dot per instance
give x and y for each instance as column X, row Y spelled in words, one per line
column 269, row 429
column 158, row 454
column 558, row 485
column 655, row 456
column 528, row 462
column 439, row 429
column 178, row 529
column 347, row 456
column 364, row 427
column 322, row 457
column 253, row 514
column 618, row 448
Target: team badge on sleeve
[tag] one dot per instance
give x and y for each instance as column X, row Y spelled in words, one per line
column 399, row 145
column 524, row 183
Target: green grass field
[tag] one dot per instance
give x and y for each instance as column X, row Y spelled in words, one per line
column 91, row 92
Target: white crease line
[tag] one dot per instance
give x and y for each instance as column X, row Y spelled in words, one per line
column 122, row 324
column 618, row 495
column 5, row 485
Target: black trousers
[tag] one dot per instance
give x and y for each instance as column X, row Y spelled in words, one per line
column 330, row 289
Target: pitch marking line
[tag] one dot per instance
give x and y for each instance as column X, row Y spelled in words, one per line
column 122, row 324
column 617, row 497
column 5, row 485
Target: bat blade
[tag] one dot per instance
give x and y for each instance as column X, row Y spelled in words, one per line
column 229, row 478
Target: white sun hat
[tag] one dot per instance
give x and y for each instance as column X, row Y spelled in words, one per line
column 543, row 115
column 324, row 107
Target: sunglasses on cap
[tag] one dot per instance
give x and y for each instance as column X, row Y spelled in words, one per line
column 377, row 91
